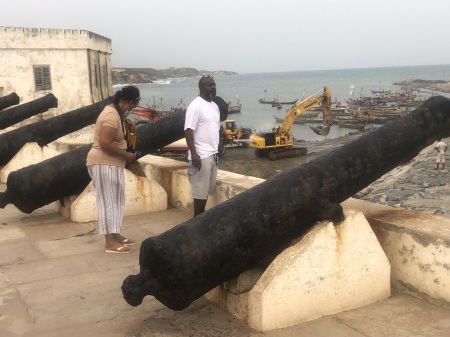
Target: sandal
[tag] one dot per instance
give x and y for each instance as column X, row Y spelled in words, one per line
column 128, row 242
column 120, row 250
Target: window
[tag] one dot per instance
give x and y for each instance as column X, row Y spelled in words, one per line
column 105, row 78
column 42, row 79
column 96, row 70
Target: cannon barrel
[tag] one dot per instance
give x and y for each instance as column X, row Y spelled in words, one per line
column 183, row 263
column 46, row 131
column 9, row 100
column 19, row 113
column 64, row 175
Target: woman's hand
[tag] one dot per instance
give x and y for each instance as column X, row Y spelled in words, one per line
column 130, row 157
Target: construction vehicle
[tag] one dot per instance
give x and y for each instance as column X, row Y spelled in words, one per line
column 279, row 143
column 235, row 135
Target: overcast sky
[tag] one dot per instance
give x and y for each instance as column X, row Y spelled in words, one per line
column 249, row 36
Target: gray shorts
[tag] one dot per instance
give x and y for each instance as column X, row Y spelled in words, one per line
column 440, row 158
column 203, row 182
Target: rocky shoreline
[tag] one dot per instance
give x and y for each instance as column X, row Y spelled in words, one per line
column 150, row 75
column 416, row 185
column 437, row 85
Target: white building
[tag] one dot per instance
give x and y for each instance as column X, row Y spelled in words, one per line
column 74, row 65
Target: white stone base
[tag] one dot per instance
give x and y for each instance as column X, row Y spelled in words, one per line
column 142, row 195
column 331, row 269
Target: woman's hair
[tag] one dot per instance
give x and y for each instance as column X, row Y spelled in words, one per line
column 128, row 93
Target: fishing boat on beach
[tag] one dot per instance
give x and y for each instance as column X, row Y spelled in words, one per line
column 352, row 124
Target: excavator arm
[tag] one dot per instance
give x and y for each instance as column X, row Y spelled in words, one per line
column 308, row 103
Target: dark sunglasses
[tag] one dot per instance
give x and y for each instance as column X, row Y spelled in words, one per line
column 203, row 77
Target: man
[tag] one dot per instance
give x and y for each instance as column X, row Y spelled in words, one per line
column 201, row 128
column 440, row 147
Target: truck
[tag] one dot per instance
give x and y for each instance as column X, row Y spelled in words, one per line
column 236, row 136
column 279, row 143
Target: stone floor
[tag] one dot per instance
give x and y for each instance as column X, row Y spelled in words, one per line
column 56, row 280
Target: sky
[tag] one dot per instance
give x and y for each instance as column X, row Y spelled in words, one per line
column 252, row 36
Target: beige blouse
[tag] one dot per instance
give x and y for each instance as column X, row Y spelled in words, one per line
column 96, row 155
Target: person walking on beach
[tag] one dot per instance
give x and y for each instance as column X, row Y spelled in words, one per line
column 440, row 147
column 105, row 163
column 201, row 128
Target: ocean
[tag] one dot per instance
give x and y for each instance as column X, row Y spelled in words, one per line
column 287, row 86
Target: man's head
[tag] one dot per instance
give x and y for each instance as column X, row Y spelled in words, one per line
column 207, row 87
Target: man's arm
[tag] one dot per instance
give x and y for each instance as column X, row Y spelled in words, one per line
column 189, row 134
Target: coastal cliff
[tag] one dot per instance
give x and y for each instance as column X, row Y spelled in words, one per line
column 149, row 75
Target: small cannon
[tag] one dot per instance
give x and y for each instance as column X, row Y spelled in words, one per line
column 9, row 100
column 183, row 263
column 21, row 112
column 46, row 131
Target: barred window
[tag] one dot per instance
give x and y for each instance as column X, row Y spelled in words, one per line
column 96, row 70
column 104, row 76
column 42, row 80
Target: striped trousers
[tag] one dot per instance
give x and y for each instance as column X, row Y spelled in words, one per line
column 109, row 184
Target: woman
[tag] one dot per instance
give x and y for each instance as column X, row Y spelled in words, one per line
column 105, row 163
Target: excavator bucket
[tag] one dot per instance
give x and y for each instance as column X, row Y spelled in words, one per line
column 321, row 130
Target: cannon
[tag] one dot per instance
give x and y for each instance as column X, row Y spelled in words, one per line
column 46, row 131
column 64, row 175
column 183, row 263
column 21, row 112
column 9, row 100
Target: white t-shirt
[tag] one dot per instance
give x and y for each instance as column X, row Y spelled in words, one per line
column 441, row 146
column 203, row 118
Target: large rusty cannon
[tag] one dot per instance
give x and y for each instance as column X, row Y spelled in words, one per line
column 21, row 112
column 64, row 175
column 182, row 264
column 9, row 100
column 46, row 131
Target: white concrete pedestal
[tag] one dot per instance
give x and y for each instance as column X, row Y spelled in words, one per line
column 142, row 195
column 331, row 269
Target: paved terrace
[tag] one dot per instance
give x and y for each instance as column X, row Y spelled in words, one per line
column 55, row 280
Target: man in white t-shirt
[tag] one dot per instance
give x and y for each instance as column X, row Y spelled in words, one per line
column 201, row 128
column 440, row 147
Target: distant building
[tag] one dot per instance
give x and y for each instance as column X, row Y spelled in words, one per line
column 74, row 65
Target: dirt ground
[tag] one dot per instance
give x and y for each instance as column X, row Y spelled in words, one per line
column 244, row 161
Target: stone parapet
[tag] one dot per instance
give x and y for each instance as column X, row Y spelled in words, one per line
column 417, row 246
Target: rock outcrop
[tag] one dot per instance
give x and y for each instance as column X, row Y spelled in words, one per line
column 149, row 75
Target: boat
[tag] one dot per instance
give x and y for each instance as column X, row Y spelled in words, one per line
column 234, row 108
column 335, row 109
column 263, row 101
column 352, row 124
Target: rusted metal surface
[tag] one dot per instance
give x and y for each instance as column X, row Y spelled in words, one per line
column 9, row 100
column 21, row 112
column 64, row 175
column 187, row 261
column 46, row 131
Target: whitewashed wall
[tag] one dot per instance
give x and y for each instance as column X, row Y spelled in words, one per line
column 71, row 54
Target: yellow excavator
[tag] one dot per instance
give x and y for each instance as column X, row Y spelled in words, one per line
column 279, row 143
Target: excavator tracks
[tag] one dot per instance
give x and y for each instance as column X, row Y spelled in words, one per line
column 287, row 153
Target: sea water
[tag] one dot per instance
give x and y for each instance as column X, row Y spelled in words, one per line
column 288, row 86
